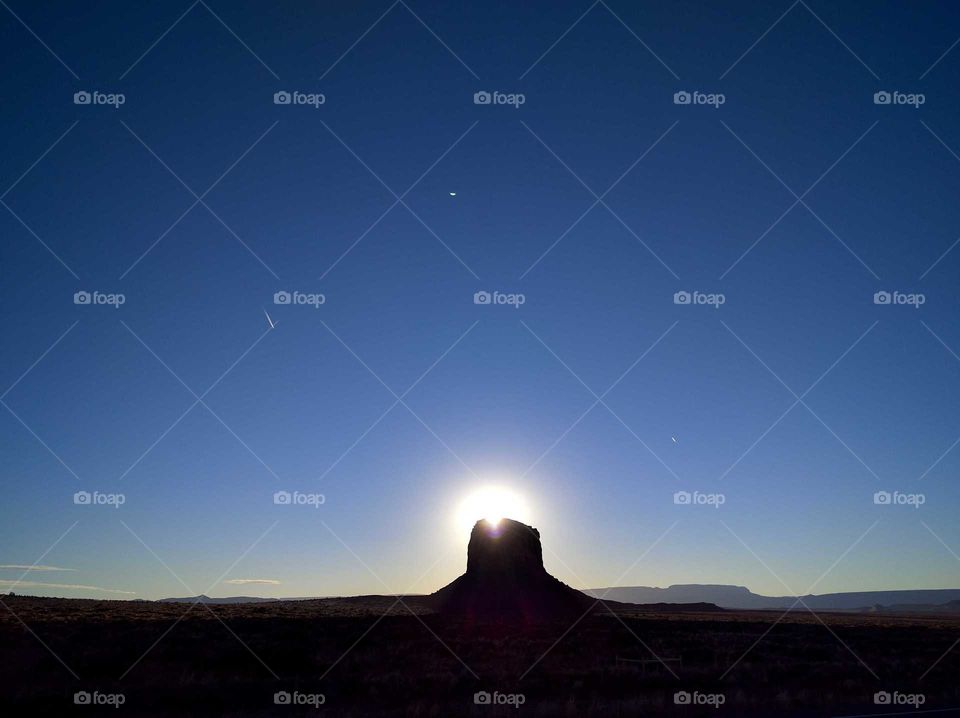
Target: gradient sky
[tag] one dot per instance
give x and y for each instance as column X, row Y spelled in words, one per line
column 506, row 404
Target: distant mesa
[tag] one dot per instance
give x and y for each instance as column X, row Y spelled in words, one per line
column 506, row 581
column 741, row 598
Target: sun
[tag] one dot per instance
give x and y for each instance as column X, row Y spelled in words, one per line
column 492, row 503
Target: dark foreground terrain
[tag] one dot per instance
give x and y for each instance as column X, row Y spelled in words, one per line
column 370, row 656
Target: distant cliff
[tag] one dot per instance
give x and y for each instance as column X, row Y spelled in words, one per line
column 741, row 597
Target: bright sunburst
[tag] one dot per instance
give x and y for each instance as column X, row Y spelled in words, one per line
column 491, row 503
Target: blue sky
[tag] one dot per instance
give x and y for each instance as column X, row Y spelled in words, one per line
column 597, row 199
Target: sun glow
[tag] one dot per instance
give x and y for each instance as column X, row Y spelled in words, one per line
column 492, row 503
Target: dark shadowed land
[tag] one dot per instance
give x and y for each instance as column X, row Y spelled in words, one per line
column 504, row 638
column 368, row 656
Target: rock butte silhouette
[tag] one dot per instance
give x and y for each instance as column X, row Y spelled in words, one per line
column 506, row 581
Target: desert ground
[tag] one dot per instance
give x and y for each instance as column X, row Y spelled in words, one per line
column 375, row 656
